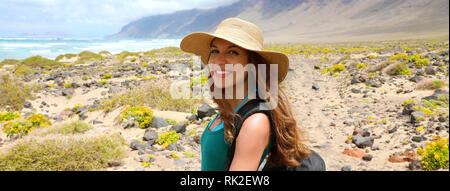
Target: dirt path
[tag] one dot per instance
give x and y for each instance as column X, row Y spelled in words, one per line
column 328, row 113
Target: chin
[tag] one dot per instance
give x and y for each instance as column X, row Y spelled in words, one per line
column 223, row 84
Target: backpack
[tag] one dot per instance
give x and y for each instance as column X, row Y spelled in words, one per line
column 313, row 162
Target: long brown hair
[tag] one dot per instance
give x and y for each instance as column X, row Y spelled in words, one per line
column 288, row 139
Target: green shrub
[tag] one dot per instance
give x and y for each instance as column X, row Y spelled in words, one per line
column 399, row 69
column 74, row 127
column 104, row 52
column 64, row 153
column 171, row 121
column 201, row 80
column 68, row 56
column 22, row 70
column 422, row 62
column 378, row 67
column 192, row 132
column 13, row 93
column 443, row 100
column 102, row 82
column 68, row 85
column 425, row 110
column 399, row 56
column 76, row 107
column 414, row 58
column 408, row 101
column 142, row 115
column 372, row 56
column 438, row 83
column 430, row 84
column 430, row 103
column 107, row 76
column 337, row 68
column 360, row 66
column 435, row 155
column 9, row 62
column 164, row 52
column 124, row 54
column 39, row 61
column 167, row 138
column 154, row 95
column 188, row 154
column 89, row 56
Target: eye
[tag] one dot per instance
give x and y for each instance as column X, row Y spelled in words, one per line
column 214, row 51
column 233, row 52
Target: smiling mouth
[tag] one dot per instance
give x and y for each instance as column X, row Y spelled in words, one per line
column 222, row 73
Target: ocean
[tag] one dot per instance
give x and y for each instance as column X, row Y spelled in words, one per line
column 21, row 48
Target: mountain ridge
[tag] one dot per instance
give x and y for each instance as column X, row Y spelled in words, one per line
column 307, row 20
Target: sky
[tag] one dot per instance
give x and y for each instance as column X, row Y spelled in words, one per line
column 85, row 18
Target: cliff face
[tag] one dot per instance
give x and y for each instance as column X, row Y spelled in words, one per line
column 307, row 20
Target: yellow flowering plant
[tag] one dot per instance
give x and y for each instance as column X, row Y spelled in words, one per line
column 167, row 138
column 435, row 154
column 143, row 115
column 23, row 127
column 8, row 116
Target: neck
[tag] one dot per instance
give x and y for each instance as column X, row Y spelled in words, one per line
column 238, row 95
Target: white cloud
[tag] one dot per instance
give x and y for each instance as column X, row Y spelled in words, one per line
column 73, row 13
column 113, row 11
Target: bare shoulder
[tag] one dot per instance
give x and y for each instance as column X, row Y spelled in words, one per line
column 251, row 142
column 256, row 125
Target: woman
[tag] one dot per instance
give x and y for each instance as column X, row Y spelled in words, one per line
column 273, row 134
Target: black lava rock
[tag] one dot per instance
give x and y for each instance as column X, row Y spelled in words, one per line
column 158, row 122
column 205, row 111
column 362, row 142
column 179, row 128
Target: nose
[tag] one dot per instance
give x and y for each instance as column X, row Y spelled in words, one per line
column 220, row 59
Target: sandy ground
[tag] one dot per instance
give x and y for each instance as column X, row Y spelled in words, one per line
column 322, row 115
column 327, row 115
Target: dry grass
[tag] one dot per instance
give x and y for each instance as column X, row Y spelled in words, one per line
column 430, row 84
column 9, row 62
column 14, row 93
column 62, row 148
column 154, row 94
column 73, row 127
column 378, row 67
column 397, row 69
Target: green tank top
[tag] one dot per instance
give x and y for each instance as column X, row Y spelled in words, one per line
column 214, row 148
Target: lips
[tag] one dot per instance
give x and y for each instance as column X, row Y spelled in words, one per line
column 222, row 73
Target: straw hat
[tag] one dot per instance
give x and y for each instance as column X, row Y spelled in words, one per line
column 241, row 33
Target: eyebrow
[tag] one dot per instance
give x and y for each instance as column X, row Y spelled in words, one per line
column 231, row 46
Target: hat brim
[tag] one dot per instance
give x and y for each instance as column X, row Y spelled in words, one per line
column 199, row 43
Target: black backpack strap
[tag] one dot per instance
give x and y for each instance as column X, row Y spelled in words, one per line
column 251, row 107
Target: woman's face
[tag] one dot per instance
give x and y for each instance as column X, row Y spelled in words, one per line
column 224, row 56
